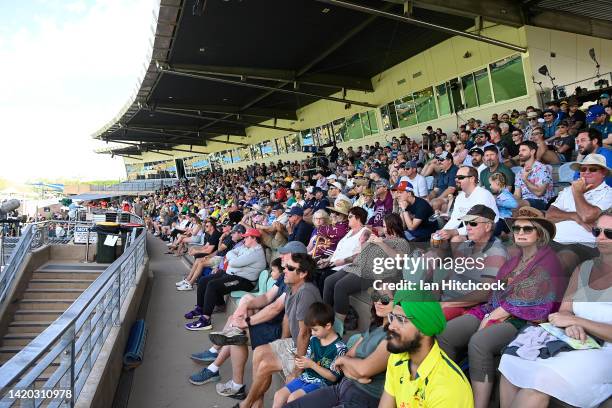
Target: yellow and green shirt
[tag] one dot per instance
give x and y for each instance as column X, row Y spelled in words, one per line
column 439, row 382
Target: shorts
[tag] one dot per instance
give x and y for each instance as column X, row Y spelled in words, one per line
column 299, row 384
column 284, row 349
column 264, row 333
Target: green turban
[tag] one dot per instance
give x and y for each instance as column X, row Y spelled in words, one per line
column 422, row 310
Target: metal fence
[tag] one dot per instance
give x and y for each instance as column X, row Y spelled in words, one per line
column 54, row 367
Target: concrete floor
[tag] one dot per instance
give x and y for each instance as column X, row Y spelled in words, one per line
column 162, row 379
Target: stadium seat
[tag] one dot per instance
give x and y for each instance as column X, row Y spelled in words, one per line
column 260, row 289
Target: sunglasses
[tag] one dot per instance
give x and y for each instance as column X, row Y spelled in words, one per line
column 527, row 229
column 383, row 299
column 462, row 177
column 597, row 232
column 474, row 223
column 593, row 169
column 402, row 320
column 291, row 268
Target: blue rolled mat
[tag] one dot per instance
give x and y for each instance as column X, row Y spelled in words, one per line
column 134, row 350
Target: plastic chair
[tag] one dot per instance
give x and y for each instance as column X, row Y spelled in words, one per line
column 566, row 174
column 260, row 289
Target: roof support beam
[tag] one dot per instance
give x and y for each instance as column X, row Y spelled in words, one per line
column 228, row 142
column 424, row 24
column 187, row 115
column 265, row 87
column 188, row 129
column 279, row 75
column 233, row 110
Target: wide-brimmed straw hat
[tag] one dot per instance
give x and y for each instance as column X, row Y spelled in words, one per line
column 592, row 159
column 341, row 206
column 533, row 214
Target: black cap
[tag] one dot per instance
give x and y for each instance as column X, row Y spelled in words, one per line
column 479, row 210
column 476, row 150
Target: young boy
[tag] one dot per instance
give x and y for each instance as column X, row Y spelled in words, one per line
column 319, row 362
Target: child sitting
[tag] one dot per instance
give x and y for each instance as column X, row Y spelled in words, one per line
column 319, row 362
column 505, row 200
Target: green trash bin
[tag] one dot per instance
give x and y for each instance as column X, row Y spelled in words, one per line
column 106, row 253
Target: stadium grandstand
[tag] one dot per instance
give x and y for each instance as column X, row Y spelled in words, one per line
column 330, row 203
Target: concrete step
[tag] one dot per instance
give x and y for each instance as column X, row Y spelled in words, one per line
column 41, row 274
column 43, row 304
column 60, row 283
column 43, row 314
column 18, row 339
column 29, row 326
column 52, row 293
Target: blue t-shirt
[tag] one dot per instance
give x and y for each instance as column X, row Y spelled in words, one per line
column 607, row 153
column 324, row 356
column 446, row 179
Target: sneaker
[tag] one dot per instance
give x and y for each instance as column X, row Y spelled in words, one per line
column 205, row 356
column 200, row 324
column 204, row 376
column 181, row 283
column 233, row 336
column 227, row 390
column 184, row 287
column 197, row 312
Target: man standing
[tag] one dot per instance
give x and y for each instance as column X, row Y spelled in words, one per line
column 491, row 160
column 419, row 373
column 534, row 185
column 280, row 354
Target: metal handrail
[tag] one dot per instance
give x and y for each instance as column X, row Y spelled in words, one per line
column 18, row 255
column 75, row 338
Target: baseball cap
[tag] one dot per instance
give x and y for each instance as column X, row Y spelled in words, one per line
column 336, row 185
column 252, row 232
column 604, row 96
column 476, row 150
column 277, row 207
column 332, row 177
column 444, row 156
column 410, row 165
column 239, row 228
column 296, row 210
column 403, row 186
column 479, row 210
column 293, row 247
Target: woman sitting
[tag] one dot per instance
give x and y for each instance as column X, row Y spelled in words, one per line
column 532, row 286
column 358, row 275
column 581, row 378
column 459, row 153
column 320, row 219
column 364, row 366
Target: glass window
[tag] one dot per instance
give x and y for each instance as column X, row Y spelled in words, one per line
column 373, row 124
column 425, row 105
column 281, row 147
column 268, row 149
column 326, row 134
column 508, row 78
column 470, row 99
column 389, row 116
column 293, row 142
column 339, row 129
column 483, row 86
column 444, row 99
column 365, row 123
column 255, row 152
column 406, row 113
column 307, row 137
column 354, row 130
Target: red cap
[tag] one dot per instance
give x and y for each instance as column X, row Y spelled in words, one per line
column 252, row 232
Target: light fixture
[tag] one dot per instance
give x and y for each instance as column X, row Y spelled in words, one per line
column 467, row 54
column 325, row 10
column 202, row 49
column 171, row 97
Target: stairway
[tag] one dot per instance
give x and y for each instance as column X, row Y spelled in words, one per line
column 51, row 290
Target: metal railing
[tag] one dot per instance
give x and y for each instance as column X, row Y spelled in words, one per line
column 17, row 256
column 138, row 185
column 54, row 367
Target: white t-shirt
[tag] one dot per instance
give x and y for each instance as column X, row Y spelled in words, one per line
column 571, row 231
column 419, row 184
column 347, row 247
column 463, row 204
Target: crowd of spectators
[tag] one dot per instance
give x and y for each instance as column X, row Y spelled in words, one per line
column 487, row 191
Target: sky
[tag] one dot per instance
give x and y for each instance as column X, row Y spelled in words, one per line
column 67, row 67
